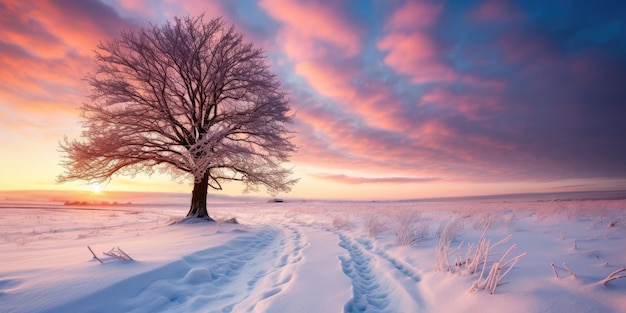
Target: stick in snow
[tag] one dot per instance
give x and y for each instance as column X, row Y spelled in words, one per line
column 614, row 276
column 554, row 269
column 565, row 268
column 94, row 255
column 569, row 269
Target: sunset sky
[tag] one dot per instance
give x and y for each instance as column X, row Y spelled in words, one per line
column 393, row 99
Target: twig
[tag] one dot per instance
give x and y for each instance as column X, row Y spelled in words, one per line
column 614, row 276
column 554, row 269
column 569, row 269
column 127, row 257
column 118, row 254
column 510, row 263
column 94, row 255
column 565, row 268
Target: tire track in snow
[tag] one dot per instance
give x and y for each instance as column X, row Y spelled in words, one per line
column 380, row 283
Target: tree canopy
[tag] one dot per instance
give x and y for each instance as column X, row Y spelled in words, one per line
column 189, row 98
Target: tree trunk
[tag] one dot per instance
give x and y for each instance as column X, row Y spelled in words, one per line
column 198, row 199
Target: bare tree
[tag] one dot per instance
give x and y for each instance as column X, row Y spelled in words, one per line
column 188, row 98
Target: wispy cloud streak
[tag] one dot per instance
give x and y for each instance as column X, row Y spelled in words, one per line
column 374, row 180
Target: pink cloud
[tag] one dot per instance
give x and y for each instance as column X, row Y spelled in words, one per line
column 211, row 9
column 410, row 50
column 323, row 140
column 428, row 148
column 321, row 44
column 431, row 149
column 475, row 106
column 21, row 27
column 79, row 29
column 414, row 15
column 140, row 7
column 327, row 79
column 307, row 21
column 370, row 127
column 494, row 11
column 327, row 142
column 414, row 55
column 46, row 51
column 35, row 86
column 374, row 103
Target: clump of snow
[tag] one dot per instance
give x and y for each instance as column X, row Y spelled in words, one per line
column 317, row 256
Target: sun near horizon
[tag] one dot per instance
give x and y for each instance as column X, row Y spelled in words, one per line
column 96, row 188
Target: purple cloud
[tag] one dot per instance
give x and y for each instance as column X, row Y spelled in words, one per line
column 374, row 180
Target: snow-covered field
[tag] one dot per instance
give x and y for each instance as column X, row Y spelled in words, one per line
column 316, row 256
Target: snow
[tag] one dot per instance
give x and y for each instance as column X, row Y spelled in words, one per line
column 309, row 256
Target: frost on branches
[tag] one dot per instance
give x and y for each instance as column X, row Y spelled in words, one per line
column 188, row 98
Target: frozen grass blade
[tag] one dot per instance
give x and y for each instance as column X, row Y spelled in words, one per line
column 613, row 276
column 565, row 268
column 119, row 254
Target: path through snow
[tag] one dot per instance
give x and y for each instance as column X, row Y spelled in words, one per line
column 393, row 289
column 232, row 277
column 252, row 273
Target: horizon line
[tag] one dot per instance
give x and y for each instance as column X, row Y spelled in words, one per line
column 621, row 194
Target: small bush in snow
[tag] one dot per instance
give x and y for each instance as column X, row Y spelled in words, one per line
column 468, row 262
column 410, row 230
column 497, row 272
column 476, row 259
column 340, row 222
column 375, row 225
column 482, row 220
column 450, row 229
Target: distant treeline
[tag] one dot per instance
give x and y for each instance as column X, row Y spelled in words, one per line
column 95, row 203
